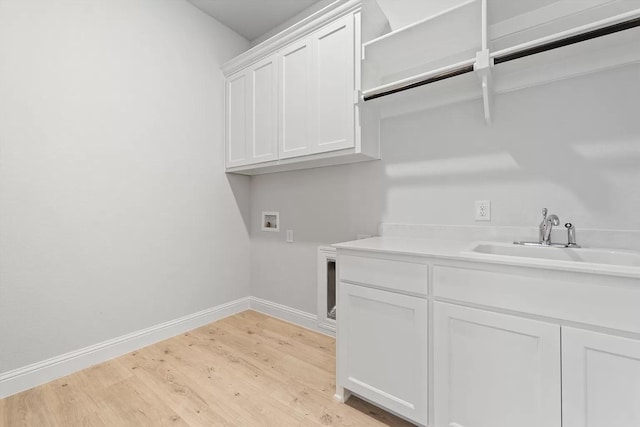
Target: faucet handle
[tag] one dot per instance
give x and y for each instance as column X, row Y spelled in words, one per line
column 544, row 212
column 569, row 225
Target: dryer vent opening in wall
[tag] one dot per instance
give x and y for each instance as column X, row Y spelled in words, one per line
column 327, row 288
column 270, row 221
column 331, row 289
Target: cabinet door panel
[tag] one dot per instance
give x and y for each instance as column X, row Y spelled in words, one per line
column 600, row 380
column 494, row 370
column 237, row 119
column 382, row 348
column 264, row 133
column 295, row 98
column 334, row 64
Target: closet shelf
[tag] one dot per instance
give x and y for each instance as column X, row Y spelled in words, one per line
column 573, row 36
column 451, row 36
column 535, row 23
column 593, row 55
column 599, row 45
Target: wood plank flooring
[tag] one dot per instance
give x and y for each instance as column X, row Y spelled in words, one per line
column 245, row 370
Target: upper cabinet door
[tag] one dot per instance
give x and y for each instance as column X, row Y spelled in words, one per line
column 334, row 68
column 600, row 380
column 297, row 107
column 238, row 100
column 494, row 370
column 296, row 95
column 263, row 140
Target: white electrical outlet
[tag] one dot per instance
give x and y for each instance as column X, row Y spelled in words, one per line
column 483, row 210
column 289, row 236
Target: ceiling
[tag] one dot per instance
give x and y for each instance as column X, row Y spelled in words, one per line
column 252, row 18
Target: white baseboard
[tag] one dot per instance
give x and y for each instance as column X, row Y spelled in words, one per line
column 33, row 375
column 30, row 376
column 329, row 326
column 288, row 314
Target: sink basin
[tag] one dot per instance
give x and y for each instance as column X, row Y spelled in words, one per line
column 612, row 257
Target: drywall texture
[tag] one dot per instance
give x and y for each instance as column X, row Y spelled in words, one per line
column 313, row 8
column 115, row 212
column 572, row 146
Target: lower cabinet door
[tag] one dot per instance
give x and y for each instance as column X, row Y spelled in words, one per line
column 494, row 370
column 600, row 380
column 382, row 349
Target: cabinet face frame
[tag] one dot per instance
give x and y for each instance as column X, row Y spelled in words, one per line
column 448, row 366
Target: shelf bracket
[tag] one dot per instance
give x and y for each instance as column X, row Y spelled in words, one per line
column 482, row 67
column 357, row 97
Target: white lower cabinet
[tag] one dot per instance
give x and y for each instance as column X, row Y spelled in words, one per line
column 382, row 348
column 494, row 370
column 600, row 380
column 445, row 354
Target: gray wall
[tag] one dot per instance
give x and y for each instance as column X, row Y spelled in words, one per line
column 572, row 146
column 320, row 4
column 115, row 212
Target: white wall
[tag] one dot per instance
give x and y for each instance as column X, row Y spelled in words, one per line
column 115, row 212
column 316, row 7
column 572, row 146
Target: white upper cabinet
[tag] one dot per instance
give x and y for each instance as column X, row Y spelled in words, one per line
column 237, row 120
column 251, row 114
column 494, row 370
column 600, row 380
column 296, row 98
column 298, row 108
column 333, row 72
column 317, row 91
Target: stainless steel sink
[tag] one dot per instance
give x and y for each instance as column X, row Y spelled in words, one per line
column 612, row 257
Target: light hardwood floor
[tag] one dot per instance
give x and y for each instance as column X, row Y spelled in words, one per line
column 245, row 370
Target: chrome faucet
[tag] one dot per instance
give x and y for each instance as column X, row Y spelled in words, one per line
column 545, row 228
column 549, row 222
column 541, row 227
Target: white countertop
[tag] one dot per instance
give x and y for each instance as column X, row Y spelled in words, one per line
column 458, row 250
column 408, row 246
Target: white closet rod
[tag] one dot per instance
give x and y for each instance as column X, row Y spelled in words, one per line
column 587, row 32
